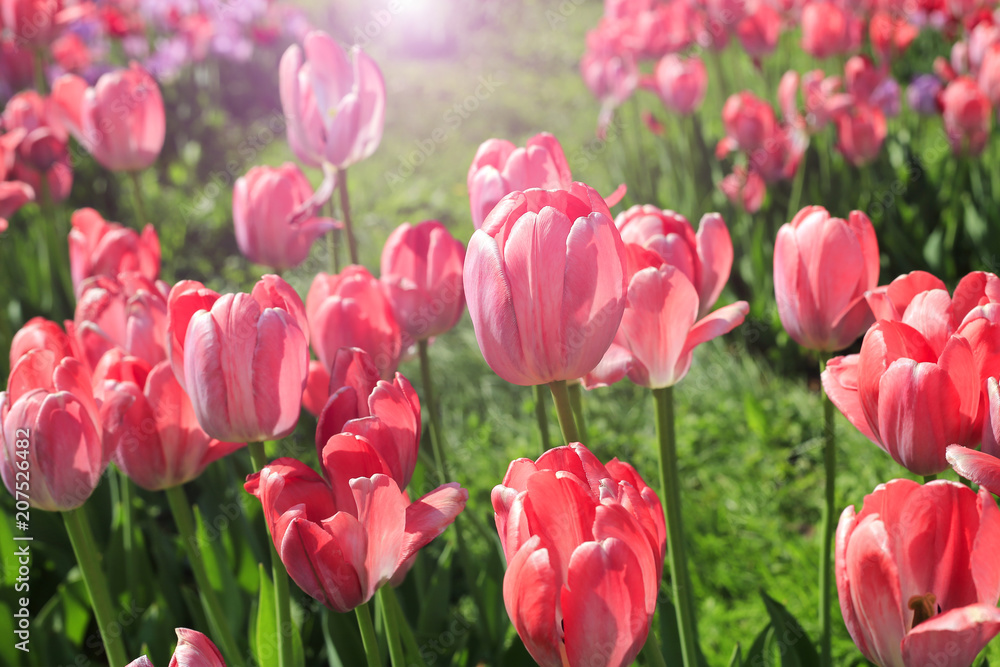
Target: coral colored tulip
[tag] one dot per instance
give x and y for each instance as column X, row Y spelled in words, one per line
column 128, row 312
column 829, row 30
column 917, row 574
column 584, row 544
column 265, row 204
column 120, row 121
column 749, row 121
column 193, row 650
column 889, row 302
column 861, row 131
column 335, row 109
column 40, row 333
column 101, row 248
column 680, row 83
column 422, row 276
column 350, row 309
column 705, row 258
column 545, row 284
column 822, row 268
column 967, row 116
column 343, row 537
column 982, row 467
column 242, row 358
column 387, row 414
column 500, row 168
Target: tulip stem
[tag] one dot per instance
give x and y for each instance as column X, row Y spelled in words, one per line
column 829, row 508
column 391, row 628
column 431, row 407
column 670, row 487
column 542, row 414
column 82, row 539
column 560, row 395
column 409, row 640
column 125, row 505
column 368, row 635
column 184, row 518
column 282, row 602
column 929, row 478
column 345, row 208
column 332, row 244
column 576, row 402
column 140, row 205
column 652, row 651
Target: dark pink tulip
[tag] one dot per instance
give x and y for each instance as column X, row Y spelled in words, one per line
column 422, row 276
column 889, row 302
column 33, row 150
column 829, row 30
column 917, row 576
column 749, row 121
column 861, row 131
column 680, row 83
column 193, row 650
column 120, row 121
column 128, row 312
column 890, row 35
column 13, row 195
column 31, row 22
column 242, row 358
column 967, row 116
column 335, row 108
column 545, row 284
column 350, row 309
column 500, row 168
column 387, row 414
column 759, row 30
column 101, row 248
column 344, row 537
column 584, row 544
column 983, row 467
column 265, row 205
column 822, row 268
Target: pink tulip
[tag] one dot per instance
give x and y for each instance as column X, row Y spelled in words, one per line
column 822, row 268
column 13, row 195
column 891, row 35
column 422, row 277
column 829, row 30
column 889, row 302
column 500, row 168
column 705, row 258
column 387, row 414
column 612, row 78
column 745, row 189
column 983, row 467
column 759, row 30
column 241, row 358
column 861, row 131
column 584, row 544
column 350, row 309
column 545, row 284
column 917, row 575
column 33, row 150
column 989, row 75
column 193, row 650
column 101, row 248
column 749, row 121
column 128, row 312
column 344, row 537
column 335, row 109
column 265, row 206
column 680, row 83
column 120, row 121
column 40, row 333
column 967, row 116
column 31, row 22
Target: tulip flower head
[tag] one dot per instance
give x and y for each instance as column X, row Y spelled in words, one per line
column 101, row 248
column 193, row 650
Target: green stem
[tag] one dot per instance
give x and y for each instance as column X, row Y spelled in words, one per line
column 368, row 635
column 560, row 395
column 257, row 456
column 391, row 628
column 333, row 245
column 829, row 509
column 41, row 84
column 929, row 478
column 140, row 205
column 431, row 408
column 82, row 539
column 184, row 519
column 652, row 652
column 345, row 207
column 542, row 414
column 670, row 487
column 576, row 402
column 796, row 197
column 409, row 640
column 125, row 499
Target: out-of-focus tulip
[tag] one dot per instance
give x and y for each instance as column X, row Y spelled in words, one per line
column 983, row 467
column 71, row 53
column 101, row 248
column 51, row 428
column 343, row 537
column 829, row 30
column 680, row 83
column 822, row 268
column 612, row 78
column 967, row 116
column 861, row 131
column 500, row 168
column 350, row 309
column 922, row 94
column 387, row 414
column 584, row 544
column 34, row 22
column 242, row 358
column 989, row 74
column 917, row 576
column 335, row 108
column 745, row 189
column 265, row 206
column 34, row 149
column 40, row 333
column 749, row 121
column 759, row 30
column 128, row 312
column 17, row 66
column 13, row 195
column 545, row 284
column 705, row 258
column 890, row 35
column 422, row 275
column 120, row 121
column 193, row 650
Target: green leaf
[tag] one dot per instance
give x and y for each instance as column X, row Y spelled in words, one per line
column 265, row 640
column 796, row 648
column 220, row 575
column 736, row 659
column 756, row 655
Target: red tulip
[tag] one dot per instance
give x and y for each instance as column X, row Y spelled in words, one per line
column 500, row 168
column 350, row 309
column 241, row 358
column 120, row 121
column 680, row 83
column 265, row 206
column 822, row 268
column 193, row 650
column 545, row 284
column 829, row 30
column 749, row 121
column 335, row 109
column 343, row 537
column 422, row 277
column 101, row 248
column 917, row 574
column 584, row 544
column 967, row 116
column 128, row 312
column 705, row 258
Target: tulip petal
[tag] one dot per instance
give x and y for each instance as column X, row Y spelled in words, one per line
column 195, row 650
column 428, row 517
column 715, row 252
column 954, row 638
column 382, row 515
column 531, row 588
